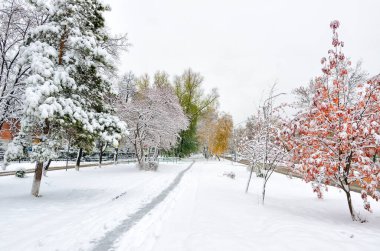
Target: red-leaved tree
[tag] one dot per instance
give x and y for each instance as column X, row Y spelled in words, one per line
column 336, row 141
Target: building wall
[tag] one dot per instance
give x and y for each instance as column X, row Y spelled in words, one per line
column 5, row 135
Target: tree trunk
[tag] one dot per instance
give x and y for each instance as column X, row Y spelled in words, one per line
column 37, row 179
column 68, row 154
column 155, row 155
column 217, row 157
column 80, row 153
column 137, row 155
column 62, row 46
column 46, row 167
column 100, row 153
column 346, row 188
column 249, row 180
column 142, row 157
column 263, row 192
column 350, row 207
column 115, row 159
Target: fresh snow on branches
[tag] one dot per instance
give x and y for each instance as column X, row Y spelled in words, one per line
column 68, row 81
column 154, row 117
column 335, row 141
column 17, row 18
column 261, row 145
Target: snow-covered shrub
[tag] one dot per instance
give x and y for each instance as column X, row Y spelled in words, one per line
column 151, row 166
column 148, row 166
column 20, row 173
column 229, row 174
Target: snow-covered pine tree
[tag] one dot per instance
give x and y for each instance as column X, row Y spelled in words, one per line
column 68, row 82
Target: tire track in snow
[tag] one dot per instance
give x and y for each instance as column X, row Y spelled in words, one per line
column 108, row 240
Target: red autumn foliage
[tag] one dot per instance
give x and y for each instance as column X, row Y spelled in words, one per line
column 337, row 140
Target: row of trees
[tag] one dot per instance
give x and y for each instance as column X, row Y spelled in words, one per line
column 59, row 86
column 333, row 139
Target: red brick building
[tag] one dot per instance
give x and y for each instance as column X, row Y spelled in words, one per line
column 5, row 134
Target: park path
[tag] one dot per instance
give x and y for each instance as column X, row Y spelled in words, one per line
column 210, row 212
column 108, row 241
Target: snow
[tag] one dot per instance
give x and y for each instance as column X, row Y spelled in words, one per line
column 377, row 138
column 205, row 211
column 76, row 208
column 211, row 212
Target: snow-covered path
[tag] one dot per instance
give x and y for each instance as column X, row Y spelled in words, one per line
column 76, row 208
column 108, row 240
column 212, row 212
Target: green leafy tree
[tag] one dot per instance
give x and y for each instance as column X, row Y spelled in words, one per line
column 194, row 102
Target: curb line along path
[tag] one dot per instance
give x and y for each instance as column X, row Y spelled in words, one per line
column 108, row 240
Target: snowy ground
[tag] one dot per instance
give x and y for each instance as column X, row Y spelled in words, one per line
column 76, row 208
column 211, row 212
column 206, row 211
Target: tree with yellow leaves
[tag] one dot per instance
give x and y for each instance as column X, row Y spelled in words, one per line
column 221, row 135
column 206, row 129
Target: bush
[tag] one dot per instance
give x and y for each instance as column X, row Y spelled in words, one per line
column 152, row 166
column 20, row 173
column 229, row 175
column 149, row 166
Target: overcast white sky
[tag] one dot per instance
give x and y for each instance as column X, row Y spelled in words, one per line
column 243, row 46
